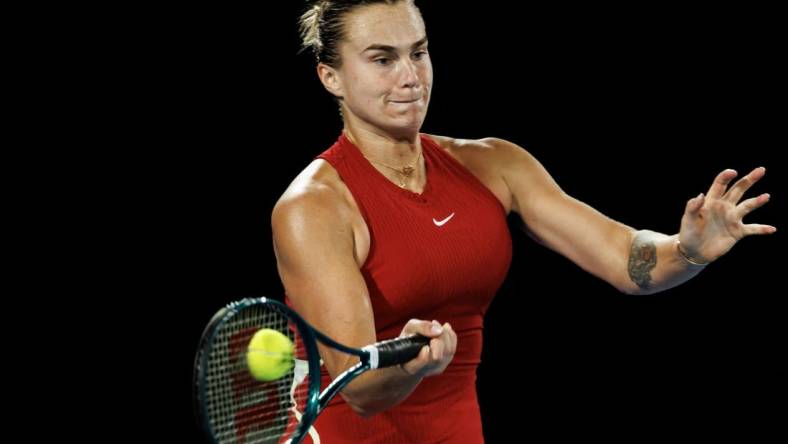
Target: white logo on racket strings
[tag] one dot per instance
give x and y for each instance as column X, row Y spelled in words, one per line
column 442, row 222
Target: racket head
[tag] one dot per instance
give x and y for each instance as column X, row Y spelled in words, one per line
column 230, row 405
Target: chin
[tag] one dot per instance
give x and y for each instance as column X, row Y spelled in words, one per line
column 410, row 123
column 408, row 132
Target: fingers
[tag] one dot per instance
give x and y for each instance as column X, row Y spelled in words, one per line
column 445, row 345
column 757, row 229
column 449, row 340
column 436, row 349
column 424, row 356
column 416, row 366
column 436, row 356
column 695, row 204
column 741, row 186
column 452, row 336
column 424, row 328
column 720, row 183
column 434, row 329
column 751, row 204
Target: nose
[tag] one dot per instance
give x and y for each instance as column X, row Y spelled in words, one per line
column 409, row 76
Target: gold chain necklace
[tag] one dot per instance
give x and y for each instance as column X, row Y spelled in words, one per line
column 403, row 172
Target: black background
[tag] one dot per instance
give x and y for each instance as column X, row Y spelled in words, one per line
column 632, row 110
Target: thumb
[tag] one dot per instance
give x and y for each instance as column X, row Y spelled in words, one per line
column 695, row 204
column 430, row 329
column 424, row 328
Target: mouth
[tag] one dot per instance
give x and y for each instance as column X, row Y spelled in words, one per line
column 405, row 101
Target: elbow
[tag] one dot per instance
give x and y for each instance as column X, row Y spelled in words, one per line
column 633, row 283
column 631, row 289
column 361, row 408
column 361, row 396
column 363, row 412
column 624, row 285
column 360, row 400
column 367, row 395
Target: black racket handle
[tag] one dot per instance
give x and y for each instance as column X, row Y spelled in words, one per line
column 399, row 350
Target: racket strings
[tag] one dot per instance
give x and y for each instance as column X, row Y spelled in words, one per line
column 240, row 408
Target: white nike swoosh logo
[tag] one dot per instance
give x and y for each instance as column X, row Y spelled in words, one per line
column 442, row 222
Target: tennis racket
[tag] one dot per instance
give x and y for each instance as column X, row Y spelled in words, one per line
column 233, row 407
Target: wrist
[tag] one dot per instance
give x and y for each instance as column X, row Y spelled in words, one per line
column 689, row 259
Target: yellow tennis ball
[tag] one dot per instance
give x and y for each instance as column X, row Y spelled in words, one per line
column 269, row 355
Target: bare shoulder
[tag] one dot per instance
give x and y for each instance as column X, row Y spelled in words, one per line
column 317, row 195
column 489, row 151
column 318, row 211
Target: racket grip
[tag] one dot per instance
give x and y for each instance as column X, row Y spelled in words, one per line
column 399, row 350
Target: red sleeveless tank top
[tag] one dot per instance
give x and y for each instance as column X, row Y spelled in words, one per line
column 441, row 255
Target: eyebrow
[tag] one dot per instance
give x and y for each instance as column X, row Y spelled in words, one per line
column 389, row 48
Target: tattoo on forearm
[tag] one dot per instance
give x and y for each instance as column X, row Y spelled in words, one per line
column 642, row 259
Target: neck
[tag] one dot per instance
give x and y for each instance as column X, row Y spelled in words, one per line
column 384, row 148
column 391, row 156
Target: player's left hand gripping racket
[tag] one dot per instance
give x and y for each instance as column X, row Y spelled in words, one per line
column 233, row 407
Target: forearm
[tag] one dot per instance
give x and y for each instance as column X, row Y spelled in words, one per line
column 655, row 264
column 379, row 390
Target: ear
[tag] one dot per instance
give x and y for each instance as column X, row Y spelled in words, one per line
column 330, row 79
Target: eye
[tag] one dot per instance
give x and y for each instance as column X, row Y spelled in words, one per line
column 418, row 55
column 382, row 61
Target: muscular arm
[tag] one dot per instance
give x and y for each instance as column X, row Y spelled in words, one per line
column 654, row 264
column 635, row 262
column 314, row 245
